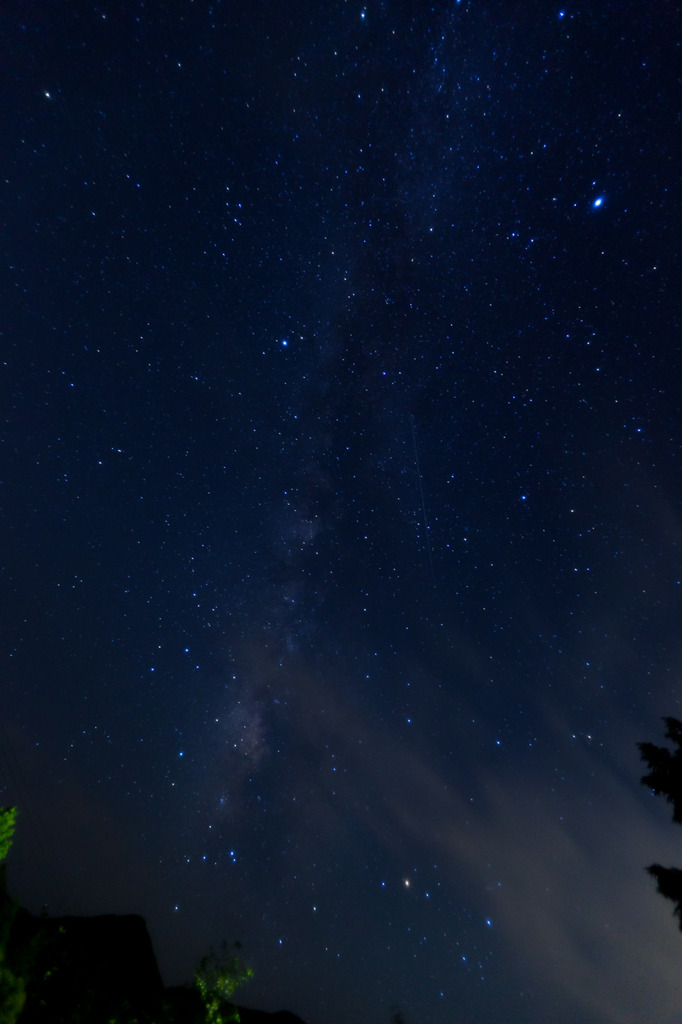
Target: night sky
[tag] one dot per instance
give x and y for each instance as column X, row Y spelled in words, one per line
column 341, row 493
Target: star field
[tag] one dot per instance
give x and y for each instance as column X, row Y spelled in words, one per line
column 340, row 489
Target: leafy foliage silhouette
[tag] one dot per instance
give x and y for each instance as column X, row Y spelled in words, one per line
column 665, row 779
column 12, row 986
column 217, row 978
column 8, row 818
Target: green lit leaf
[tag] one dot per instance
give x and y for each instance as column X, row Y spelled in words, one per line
column 8, row 817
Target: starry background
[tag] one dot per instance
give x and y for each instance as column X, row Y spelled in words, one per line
column 341, row 495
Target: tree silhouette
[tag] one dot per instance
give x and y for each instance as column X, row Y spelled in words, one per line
column 217, row 978
column 665, row 779
column 12, row 986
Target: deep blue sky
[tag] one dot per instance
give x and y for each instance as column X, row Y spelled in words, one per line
column 341, row 493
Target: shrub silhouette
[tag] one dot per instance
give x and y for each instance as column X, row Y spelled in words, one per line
column 665, row 779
